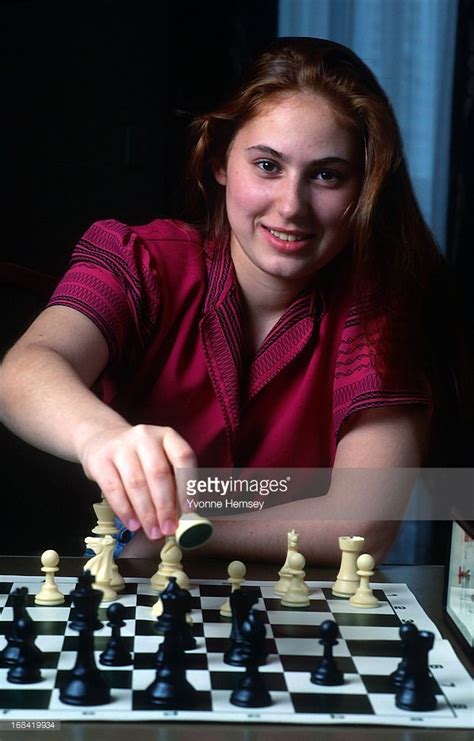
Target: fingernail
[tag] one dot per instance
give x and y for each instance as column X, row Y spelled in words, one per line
column 169, row 527
column 133, row 525
column 155, row 533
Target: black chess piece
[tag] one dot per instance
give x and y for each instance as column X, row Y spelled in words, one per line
column 10, row 654
column 176, row 606
column 251, row 691
column 116, row 652
column 327, row 672
column 26, row 669
column 416, row 692
column 85, row 685
column 406, row 631
column 170, row 690
column 241, row 602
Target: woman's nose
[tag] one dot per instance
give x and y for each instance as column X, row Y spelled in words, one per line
column 292, row 198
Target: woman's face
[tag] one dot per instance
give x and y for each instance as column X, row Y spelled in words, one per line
column 292, row 178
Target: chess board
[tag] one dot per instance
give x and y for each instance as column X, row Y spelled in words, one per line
column 367, row 651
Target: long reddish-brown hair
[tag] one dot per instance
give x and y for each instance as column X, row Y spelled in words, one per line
column 395, row 258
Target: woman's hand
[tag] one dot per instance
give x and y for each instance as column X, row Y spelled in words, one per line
column 138, row 470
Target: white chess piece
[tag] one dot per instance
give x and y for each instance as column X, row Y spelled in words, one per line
column 100, row 566
column 283, row 584
column 49, row 593
column 297, row 594
column 106, row 526
column 170, row 564
column 236, row 571
column 364, row 597
column 347, row 580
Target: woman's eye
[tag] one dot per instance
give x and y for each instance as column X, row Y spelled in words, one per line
column 267, row 166
column 328, row 176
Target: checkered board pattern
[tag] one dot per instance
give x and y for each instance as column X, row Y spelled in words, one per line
column 368, row 650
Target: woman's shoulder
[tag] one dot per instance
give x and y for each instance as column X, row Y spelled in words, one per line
column 112, row 231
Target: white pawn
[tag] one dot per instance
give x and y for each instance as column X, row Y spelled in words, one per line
column 364, row 597
column 49, row 593
column 236, row 571
column 297, row 594
column 157, row 608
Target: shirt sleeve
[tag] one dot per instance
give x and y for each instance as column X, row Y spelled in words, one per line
column 111, row 280
column 360, row 385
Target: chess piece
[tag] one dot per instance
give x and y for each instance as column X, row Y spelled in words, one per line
column 106, row 526
column 193, row 530
column 10, row 653
column 283, row 584
column 327, row 672
column 297, row 595
column 240, row 601
column 363, row 596
column 406, row 632
column 176, row 605
column 181, row 581
column 49, row 594
column 170, row 564
column 347, row 580
column 116, row 652
column 84, row 685
column 170, row 690
column 416, row 692
column 251, row 691
column 100, row 566
column 236, row 571
column 26, row 669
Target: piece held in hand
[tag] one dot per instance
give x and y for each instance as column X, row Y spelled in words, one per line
column 327, row 672
column 49, row 594
column 170, row 564
column 85, row 685
column 363, row 596
column 347, row 580
column 116, row 652
column 193, row 530
column 236, row 571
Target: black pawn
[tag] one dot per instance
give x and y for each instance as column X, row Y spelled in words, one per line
column 84, row 685
column 26, row 669
column 417, row 692
column 10, row 654
column 170, row 689
column 327, row 672
column 406, row 632
column 116, row 652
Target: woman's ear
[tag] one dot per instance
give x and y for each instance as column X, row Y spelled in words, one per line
column 220, row 175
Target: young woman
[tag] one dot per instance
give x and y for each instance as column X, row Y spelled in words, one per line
column 282, row 328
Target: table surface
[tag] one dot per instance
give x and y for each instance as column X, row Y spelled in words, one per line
column 426, row 583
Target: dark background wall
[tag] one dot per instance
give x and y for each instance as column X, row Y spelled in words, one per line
column 90, row 130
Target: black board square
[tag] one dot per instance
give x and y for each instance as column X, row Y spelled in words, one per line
column 146, row 600
column 316, row 605
column 293, row 663
column 376, row 684
column 364, row 619
column 296, row 631
column 5, row 587
column 24, row 699
column 191, row 661
column 214, row 590
column 229, row 680
column 50, row 659
column 129, row 589
column 374, row 648
column 145, row 628
column 219, row 645
column 203, row 703
column 101, row 641
column 44, row 627
column 118, row 679
column 306, row 702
